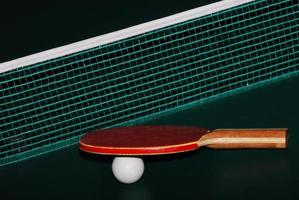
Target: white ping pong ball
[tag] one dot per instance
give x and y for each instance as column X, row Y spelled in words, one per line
column 127, row 169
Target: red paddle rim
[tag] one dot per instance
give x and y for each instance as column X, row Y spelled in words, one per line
column 138, row 151
column 142, row 140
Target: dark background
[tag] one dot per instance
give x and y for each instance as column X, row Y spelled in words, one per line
column 29, row 27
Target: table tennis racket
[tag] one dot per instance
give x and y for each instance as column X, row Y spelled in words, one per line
column 155, row 140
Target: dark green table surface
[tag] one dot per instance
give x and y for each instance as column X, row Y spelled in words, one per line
column 203, row 174
column 213, row 174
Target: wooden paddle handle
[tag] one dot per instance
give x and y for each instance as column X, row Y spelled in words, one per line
column 245, row 138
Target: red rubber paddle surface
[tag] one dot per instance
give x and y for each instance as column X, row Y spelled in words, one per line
column 142, row 140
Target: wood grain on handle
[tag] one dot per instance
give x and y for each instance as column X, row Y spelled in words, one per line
column 245, row 138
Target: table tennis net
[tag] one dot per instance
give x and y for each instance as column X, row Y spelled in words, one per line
column 50, row 104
